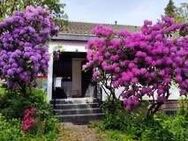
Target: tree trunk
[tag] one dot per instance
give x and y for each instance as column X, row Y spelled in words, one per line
column 154, row 107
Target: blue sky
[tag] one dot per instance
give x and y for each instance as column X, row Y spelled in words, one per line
column 129, row 12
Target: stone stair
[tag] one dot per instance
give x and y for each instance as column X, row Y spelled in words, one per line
column 77, row 110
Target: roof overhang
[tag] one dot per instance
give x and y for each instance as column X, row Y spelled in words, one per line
column 72, row 37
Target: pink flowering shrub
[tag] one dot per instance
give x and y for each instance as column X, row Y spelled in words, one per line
column 29, row 119
column 143, row 63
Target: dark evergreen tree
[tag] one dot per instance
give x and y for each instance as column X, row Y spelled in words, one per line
column 170, row 9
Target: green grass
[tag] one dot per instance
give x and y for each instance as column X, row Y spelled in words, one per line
column 116, row 136
column 110, row 135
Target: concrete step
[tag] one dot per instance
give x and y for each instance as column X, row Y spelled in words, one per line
column 80, row 118
column 76, row 106
column 77, row 111
column 74, row 101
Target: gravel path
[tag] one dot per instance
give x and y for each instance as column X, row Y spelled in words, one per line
column 71, row 132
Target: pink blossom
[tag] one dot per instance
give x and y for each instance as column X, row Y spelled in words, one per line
column 28, row 120
column 145, row 63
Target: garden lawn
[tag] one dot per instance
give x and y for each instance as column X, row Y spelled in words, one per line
column 114, row 135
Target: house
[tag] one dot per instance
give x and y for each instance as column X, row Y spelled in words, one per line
column 70, row 89
column 65, row 73
column 73, row 94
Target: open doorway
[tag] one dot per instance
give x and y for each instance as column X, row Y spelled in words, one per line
column 69, row 81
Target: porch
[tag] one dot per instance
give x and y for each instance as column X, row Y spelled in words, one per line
column 69, row 80
column 75, row 97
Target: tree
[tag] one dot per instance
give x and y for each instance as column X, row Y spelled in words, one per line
column 182, row 12
column 141, row 64
column 23, row 47
column 170, row 9
column 7, row 7
column 182, row 16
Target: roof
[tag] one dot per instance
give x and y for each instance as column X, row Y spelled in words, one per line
column 82, row 31
column 85, row 28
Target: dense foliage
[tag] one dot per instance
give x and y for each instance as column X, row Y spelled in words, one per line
column 17, row 122
column 144, row 63
column 23, row 46
column 134, row 127
column 9, row 129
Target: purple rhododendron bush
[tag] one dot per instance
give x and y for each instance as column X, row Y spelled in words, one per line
column 23, row 46
column 24, row 40
column 143, row 64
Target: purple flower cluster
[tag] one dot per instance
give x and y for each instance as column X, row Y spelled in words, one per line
column 23, row 45
column 145, row 63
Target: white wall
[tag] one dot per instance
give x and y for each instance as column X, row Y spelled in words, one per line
column 175, row 95
column 68, row 46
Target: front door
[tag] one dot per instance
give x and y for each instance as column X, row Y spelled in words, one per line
column 76, row 77
column 69, row 81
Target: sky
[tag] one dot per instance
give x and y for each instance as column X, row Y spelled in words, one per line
column 126, row 12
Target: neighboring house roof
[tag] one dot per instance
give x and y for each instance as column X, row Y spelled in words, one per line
column 81, row 31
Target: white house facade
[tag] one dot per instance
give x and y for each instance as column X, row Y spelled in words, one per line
column 72, row 41
column 65, row 75
column 69, row 86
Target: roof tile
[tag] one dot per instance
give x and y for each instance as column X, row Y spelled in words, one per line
column 82, row 28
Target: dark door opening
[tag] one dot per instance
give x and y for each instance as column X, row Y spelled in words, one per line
column 62, row 68
column 69, row 81
column 87, row 85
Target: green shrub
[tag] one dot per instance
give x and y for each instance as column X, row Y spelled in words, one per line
column 157, row 134
column 183, row 107
column 154, row 131
column 9, row 130
column 12, row 106
column 135, row 124
column 178, row 125
column 44, row 131
column 116, row 120
column 118, row 136
column 123, row 120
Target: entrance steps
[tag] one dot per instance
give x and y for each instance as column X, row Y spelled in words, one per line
column 77, row 110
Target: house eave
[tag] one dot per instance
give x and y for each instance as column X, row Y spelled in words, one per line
column 72, row 37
